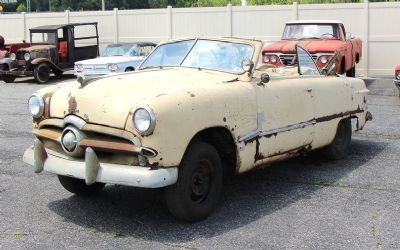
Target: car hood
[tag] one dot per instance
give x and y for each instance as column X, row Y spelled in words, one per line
column 109, row 100
column 110, row 59
column 313, row 46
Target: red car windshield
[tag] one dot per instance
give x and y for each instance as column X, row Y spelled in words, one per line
column 316, row 31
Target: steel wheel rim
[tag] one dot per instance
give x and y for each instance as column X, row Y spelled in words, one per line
column 201, row 181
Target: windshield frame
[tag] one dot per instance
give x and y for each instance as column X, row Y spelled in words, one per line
column 45, row 32
column 191, row 48
column 316, row 24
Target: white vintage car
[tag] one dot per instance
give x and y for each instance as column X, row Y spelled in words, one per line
column 116, row 58
column 195, row 111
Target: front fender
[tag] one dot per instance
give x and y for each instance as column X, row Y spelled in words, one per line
column 180, row 116
column 38, row 61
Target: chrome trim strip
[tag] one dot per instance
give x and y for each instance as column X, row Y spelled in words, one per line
column 288, row 128
column 74, row 120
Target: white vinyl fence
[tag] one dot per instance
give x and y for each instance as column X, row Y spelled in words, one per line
column 375, row 23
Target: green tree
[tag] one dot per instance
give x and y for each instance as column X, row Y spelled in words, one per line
column 21, row 8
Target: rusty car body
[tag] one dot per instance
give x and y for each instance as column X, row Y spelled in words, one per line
column 54, row 48
column 195, row 111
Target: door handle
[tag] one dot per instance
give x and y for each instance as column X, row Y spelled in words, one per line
column 309, row 89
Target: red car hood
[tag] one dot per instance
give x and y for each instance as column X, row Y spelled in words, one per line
column 313, row 46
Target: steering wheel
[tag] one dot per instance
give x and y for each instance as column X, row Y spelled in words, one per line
column 327, row 35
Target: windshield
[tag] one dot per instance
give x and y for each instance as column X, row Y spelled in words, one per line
column 207, row 54
column 302, row 31
column 121, row 50
column 49, row 38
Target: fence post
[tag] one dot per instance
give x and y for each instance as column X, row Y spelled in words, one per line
column 229, row 20
column 295, row 12
column 24, row 24
column 116, row 34
column 169, row 22
column 365, row 49
column 67, row 16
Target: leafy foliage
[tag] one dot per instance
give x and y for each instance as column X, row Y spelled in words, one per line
column 78, row 5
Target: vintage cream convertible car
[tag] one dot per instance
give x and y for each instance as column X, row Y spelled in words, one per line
column 195, row 111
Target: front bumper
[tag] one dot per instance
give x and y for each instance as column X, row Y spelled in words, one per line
column 91, row 170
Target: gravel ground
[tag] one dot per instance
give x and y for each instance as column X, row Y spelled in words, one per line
column 305, row 203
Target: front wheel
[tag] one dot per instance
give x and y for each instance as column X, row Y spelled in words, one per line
column 351, row 72
column 79, row 187
column 340, row 145
column 199, row 186
column 41, row 73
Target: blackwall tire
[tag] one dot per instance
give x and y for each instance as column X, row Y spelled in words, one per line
column 340, row 145
column 351, row 72
column 199, row 186
column 41, row 72
column 79, row 187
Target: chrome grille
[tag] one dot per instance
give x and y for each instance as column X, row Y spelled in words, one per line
column 287, row 59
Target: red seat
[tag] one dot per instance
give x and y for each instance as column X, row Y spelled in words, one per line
column 63, row 50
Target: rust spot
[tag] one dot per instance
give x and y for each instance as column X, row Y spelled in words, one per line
column 232, row 129
column 72, row 105
column 258, row 156
column 86, row 117
column 192, row 95
column 154, row 166
column 270, row 135
column 224, row 119
column 338, row 115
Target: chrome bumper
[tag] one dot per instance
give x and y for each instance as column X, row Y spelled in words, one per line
column 91, row 170
column 397, row 83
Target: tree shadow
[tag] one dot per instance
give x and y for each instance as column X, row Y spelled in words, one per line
column 142, row 213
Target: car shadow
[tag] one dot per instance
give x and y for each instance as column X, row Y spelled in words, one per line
column 142, row 213
column 53, row 79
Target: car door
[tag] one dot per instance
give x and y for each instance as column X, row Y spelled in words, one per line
column 285, row 117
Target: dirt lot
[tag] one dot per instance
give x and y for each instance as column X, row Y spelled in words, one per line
column 304, row 203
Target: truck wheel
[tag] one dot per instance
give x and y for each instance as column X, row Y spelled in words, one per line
column 351, row 72
column 8, row 79
column 198, row 189
column 339, row 148
column 78, row 186
column 41, row 73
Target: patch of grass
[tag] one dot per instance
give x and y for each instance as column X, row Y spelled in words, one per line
column 18, row 234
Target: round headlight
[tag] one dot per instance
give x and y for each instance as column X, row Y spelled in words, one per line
column 13, row 56
column 266, row 59
column 324, row 59
column 36, row 105
column 27, row 56
column 78, row 68
column 144, row 120
column 274, row 59
column 112, row 67
column 398, row 75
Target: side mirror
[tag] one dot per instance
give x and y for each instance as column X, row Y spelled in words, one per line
column 247, row 65
column 348, row 36
column 264, row 79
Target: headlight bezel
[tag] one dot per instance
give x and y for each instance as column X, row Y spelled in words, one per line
column 13, row 57
column 152, row 120
column 113, row 67
column 27, row 56
column 78, row 68
column 40, row 107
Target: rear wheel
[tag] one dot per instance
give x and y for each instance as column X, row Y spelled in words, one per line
column 41, row 73
column 340, row 145
column 199, row 186
column 79, row 187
